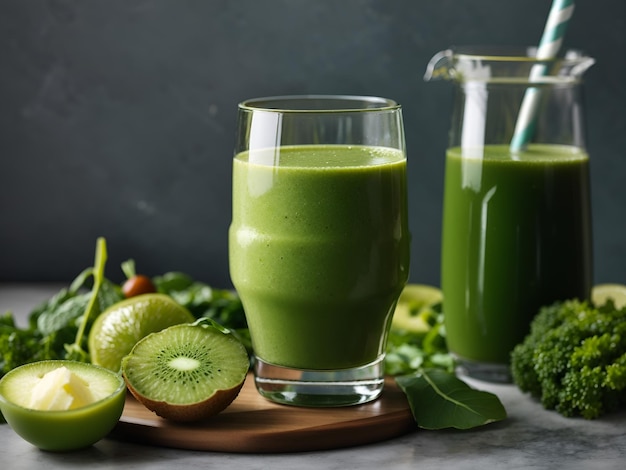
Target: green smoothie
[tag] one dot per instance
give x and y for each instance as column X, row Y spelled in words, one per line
column 319, row 251
column 516, row 236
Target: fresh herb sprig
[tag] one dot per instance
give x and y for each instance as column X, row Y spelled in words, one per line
column 77, row 350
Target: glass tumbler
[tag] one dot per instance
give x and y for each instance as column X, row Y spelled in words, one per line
column 319, row 242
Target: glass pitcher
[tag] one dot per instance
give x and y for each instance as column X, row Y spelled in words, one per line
column 516, row 230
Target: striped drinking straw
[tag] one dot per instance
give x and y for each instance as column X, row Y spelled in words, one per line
column 558, row 19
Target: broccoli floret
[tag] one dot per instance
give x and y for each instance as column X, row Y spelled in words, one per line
column 574, row 358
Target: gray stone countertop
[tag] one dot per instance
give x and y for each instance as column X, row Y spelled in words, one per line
column 530, row 437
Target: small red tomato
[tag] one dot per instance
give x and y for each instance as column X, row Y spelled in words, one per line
column 137, row 285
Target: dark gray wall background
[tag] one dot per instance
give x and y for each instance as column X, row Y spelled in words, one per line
column 117, row 118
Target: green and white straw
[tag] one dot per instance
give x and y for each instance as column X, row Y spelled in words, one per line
column 558, row 19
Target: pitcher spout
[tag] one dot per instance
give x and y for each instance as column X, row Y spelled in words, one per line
column 580, row 63
column 440, row 66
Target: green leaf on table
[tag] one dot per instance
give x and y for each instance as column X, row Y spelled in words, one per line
column 439, row 400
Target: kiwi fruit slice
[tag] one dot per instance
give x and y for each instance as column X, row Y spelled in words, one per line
column 187, row 372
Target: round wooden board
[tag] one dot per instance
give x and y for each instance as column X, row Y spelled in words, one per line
column 254, row 424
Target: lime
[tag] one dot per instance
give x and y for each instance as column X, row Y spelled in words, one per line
column 414, row 311
column 62, row 429
column 117, row 329
column 602, row 292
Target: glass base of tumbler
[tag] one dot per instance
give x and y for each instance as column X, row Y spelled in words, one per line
column 486, row 371
column 319, row 388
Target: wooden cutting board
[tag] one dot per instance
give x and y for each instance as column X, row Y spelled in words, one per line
column 253, row 424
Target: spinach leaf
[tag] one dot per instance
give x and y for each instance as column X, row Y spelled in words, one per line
column 172, row 282
column 108, row 294
column 439, row 400
column 220, row 305
column 62, row 315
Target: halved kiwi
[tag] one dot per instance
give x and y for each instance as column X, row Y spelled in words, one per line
column 186, row 372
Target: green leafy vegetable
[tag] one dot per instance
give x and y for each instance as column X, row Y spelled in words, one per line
column 424, row 370
column 438, row 400
column 17, row 346
column 77, row 351
column 412, row 351
column 63, row 315
column 221, row 305
column 574, row 358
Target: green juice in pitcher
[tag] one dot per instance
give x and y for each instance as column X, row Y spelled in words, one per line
column 517, row 236
column 319, row 251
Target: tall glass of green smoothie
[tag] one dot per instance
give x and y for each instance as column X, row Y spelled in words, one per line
column 516, row 219
column 319, row 242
